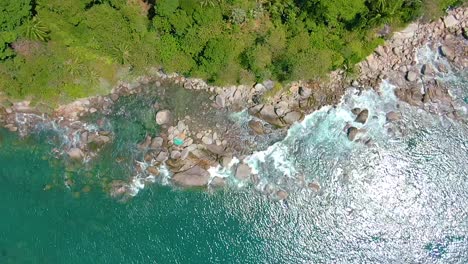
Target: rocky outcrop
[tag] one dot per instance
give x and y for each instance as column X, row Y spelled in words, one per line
column 193, row 177
column 418, row 83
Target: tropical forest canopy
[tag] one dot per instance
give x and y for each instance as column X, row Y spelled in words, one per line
column 56, row 50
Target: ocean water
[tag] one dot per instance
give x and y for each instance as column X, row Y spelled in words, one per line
column 402, row 199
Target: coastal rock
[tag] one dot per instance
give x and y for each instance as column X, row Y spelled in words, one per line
column 362, row 116
column 411, row 76
column 305, row 92
column 216, row 149
column 259, row 88
column 220, row 101
column 352, row 133
column 117, row 188
column 175, row 154
column 269, row 115
column 406, row 33
column 75, row 154
column 243, row 171
column 153, row 170
column 257, row 127
column 254, row 110
column 163, row 117
column 145, row 144
column 156, row 143
column 218, row 182
column 184, row 154
column 282, row 195
column 314, row 186
column 269, row 84
column 447, row 52
column 207, row 140
column 356, row 110
column 427, row 69
column 393, row 116
column 162, row 156
column 450, row 21
column 99, row 140
column 193, row 177
column 292, row 117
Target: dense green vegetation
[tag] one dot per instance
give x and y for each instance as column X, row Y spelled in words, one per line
column 58, row 50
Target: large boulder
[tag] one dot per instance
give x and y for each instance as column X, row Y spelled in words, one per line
column 292, row 117
column 193, row 177
column 412, row 76
column 268, row 114
column 450, row 21
column 393, row 116
column 163, row 117
column 362, row 116
column 99, row 140
column 447, row 52
column 215, row 149
column 157, row 142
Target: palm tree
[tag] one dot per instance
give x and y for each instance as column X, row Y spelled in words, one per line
column 36, row 30
column 212, row 3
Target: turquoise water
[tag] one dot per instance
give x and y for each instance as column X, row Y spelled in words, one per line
column 402, row 200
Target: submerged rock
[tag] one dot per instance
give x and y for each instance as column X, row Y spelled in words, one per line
column 393, row 116
column 282, row 195
column 193, row 177
column 450, row 21
column 292, row 117
column 75, row 154
column 153, row 170
column 314, row 186
column 218, row 182
column 268, row 114
column 447, row 52
column 411, row 76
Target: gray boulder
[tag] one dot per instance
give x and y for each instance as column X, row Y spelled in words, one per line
column 292, row 117
column 447, row 52
column 163, row 117
column 362, row 116
column 268, row 114
column 193, row 177
column 411, row 76
column 450, row 21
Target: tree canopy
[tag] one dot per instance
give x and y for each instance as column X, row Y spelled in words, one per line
column 59, row 50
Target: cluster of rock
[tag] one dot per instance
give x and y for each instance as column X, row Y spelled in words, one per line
column 397, row 61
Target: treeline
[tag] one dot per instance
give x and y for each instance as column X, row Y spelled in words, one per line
column 59, row 50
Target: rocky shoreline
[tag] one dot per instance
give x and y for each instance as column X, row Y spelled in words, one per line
column 188, row 146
